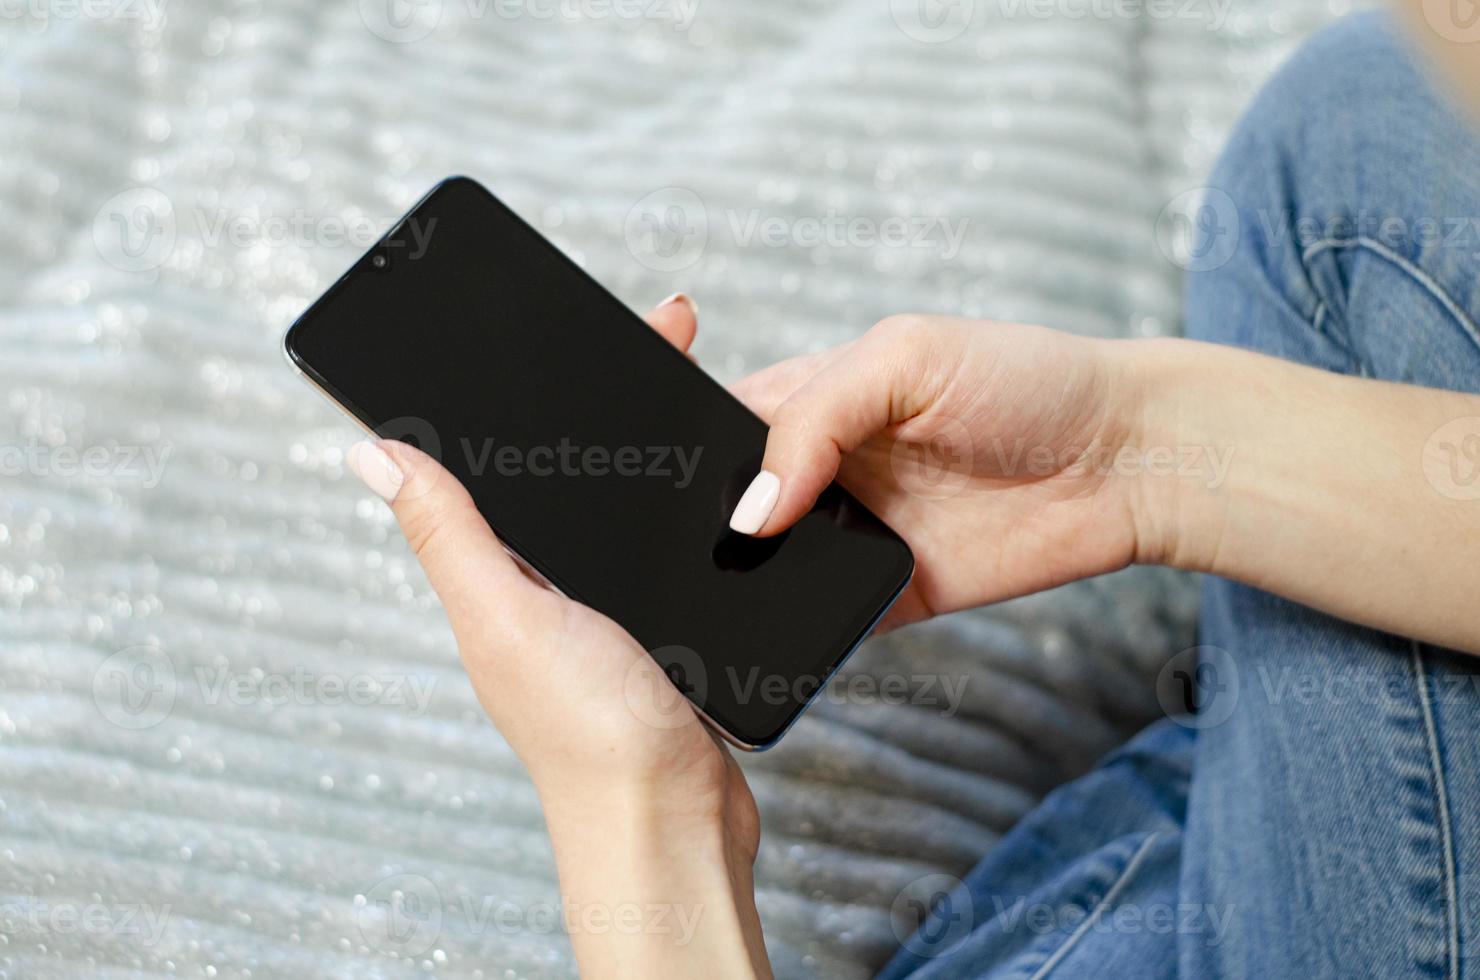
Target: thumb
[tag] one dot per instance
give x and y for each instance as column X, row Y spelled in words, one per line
column 462, row 557
column 870, row 388
column 676, row 320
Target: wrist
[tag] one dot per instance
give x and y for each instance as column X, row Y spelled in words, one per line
column 651, row 821
column 676, row 873
column 1184, row 447
column 644, row 854
column 689, row 797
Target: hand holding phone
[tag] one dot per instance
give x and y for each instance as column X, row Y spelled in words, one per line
column 613, row 717
column 646, row 808
column 605, row 459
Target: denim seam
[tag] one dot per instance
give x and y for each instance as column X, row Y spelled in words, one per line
column 1418, row 275
column 1319, row 319
column 1441, row 794
column 1132, row 866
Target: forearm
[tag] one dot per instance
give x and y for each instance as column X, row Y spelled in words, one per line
column 648, row 895
column 1337, row 493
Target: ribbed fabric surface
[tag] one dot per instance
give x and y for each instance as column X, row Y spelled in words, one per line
column 184, row 559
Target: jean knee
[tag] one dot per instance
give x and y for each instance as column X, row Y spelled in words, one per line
column 1344, row 217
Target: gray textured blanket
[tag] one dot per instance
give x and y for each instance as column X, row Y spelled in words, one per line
column 232, row 720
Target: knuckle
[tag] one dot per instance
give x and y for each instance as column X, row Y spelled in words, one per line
column 794, row 419
column 905, row 329
column 806, row 443
column 424, row 527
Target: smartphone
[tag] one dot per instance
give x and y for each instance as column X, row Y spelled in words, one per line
column 602, row 457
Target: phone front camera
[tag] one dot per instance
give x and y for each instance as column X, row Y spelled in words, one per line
column 379, row 261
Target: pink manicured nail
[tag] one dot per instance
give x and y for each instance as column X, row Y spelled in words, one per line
column 370, row 463
column 685, row 299
column 756, row 503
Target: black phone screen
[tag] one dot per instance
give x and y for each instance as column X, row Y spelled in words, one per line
column 600, row 454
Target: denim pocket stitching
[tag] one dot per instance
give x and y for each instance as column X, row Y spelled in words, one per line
column 1131, row 867
column 1418, row 275
column 1441, row 804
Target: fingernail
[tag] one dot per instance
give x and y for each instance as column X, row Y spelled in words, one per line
column 685, row 299
column 756, row 503
column 370, row 463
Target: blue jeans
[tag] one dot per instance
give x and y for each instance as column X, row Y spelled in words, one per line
column 1320, row 815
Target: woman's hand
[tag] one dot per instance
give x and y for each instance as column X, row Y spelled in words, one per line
column 1015, row 458
column 655, row 830
column 989, row 446
column 1012, row 458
